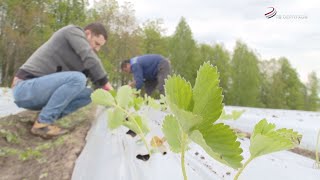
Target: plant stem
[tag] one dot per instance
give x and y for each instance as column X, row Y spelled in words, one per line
column 141, row 133
column 143, row 139
column 183, row 148
column 242, row 168
column 317, row 151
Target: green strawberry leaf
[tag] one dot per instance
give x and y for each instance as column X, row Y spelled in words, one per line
column 124, row 96
column 233, row 116
column 116, row 118
column 102, row 97
column 225, row 116
column 186, row 119
column 219, row 141
column 265, row 139
column 113, row 92
column 153, row 103
column 172, row 132
column 194, row 112
column 137, row 102
column 207, row 95
column 263, row 127
column 179, row 92
column 137, row 124
column 236, row 114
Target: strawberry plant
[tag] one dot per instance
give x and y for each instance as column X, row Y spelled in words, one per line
column 194, row 111
column 233, row 116
column 265, row 140
column 123, row 110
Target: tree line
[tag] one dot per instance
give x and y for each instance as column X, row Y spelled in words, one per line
column 246, row 79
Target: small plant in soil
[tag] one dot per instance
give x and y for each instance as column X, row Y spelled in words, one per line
column 233, row 116
column 194, row 113
column 123, row 111
column 31, row 153
column 265, row 140
column 9, row 136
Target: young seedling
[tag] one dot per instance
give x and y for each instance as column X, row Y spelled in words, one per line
column 9, row 136
column 194, row 111
column 122, row 111
column 156, row 104
column 265, row 140
column 233, row 116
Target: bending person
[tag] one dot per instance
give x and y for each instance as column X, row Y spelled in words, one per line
column 149, row 70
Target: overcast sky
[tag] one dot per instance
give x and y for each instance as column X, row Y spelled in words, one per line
column 216, row 21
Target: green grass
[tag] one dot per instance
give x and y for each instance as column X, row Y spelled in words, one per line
column 76, row 118
column 31, row 153
column 10, row 137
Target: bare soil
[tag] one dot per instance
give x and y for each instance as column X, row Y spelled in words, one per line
column 24, row 156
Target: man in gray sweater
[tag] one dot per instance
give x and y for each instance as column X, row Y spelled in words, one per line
column 53, row 79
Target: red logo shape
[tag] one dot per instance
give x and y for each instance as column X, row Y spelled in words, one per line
column 271, row 13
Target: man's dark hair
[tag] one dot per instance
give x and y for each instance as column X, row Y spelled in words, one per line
column 97, row 29
column 124, row 63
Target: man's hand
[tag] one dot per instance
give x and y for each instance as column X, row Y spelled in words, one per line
column 132, row 84
column 107, row 87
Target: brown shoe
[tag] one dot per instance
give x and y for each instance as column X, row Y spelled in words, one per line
column 46, row 130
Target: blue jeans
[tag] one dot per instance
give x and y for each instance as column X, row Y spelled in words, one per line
column 56, row 95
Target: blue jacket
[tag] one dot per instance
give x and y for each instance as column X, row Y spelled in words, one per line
column 145, row 67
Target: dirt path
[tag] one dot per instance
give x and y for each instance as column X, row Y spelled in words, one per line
column 27, row 157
